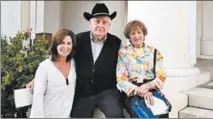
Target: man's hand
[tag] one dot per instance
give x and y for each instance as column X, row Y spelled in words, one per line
column 30, row 85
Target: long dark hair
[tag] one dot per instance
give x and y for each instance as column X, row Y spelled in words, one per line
column 57, row 39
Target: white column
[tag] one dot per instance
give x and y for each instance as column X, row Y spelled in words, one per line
column 33, row 17
column 36, row 19
column 171, row 29
column 25, row 15
column 10, row 17
column 39, row 16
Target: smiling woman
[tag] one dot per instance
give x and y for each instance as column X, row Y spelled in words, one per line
column 140, row 68
column 63, row 44
column 136, row 31
column 54, row 84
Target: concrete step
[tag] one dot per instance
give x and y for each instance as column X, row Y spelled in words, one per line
column 207, row 68
column 208, row 85
column 203, row 77
column 206, row 65
column 200, row 97
column 193, row 112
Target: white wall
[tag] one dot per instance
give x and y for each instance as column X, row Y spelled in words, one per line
column 10, row 17
column 118, row 24
column 168, row 24
column 73, row 15
column 52, row 16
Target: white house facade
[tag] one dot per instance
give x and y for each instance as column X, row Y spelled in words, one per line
column 181, row 30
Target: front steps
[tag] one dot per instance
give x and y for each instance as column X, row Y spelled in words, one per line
column 200, row 98
column 200, row 103
column 208, row 85
column 193, row 112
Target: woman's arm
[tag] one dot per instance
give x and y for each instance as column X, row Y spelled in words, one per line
column 123, row 83
column 40, row 83
column 159, row 81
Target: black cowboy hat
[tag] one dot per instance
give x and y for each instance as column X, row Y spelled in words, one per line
column 100, row 9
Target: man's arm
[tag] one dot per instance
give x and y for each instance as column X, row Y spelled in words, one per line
column 30, row 85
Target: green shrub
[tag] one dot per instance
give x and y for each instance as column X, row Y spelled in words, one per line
column 18, row 67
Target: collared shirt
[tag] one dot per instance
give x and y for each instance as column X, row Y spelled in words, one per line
column 137, row 65
column 96, row 46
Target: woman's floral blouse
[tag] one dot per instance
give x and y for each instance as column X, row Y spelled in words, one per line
column 137, row 65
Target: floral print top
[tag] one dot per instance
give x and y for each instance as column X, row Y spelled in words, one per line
column 136, row 64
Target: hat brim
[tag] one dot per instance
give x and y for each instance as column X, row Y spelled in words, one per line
column 88, row 16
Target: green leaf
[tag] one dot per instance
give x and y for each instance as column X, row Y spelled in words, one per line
column 6, row 79
column 20, row 68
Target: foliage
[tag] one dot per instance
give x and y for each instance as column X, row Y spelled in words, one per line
column 18, row 66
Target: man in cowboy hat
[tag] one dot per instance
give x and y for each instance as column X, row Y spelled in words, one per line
column 96, row 58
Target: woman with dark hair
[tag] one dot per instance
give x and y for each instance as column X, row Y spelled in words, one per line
column 55, row 79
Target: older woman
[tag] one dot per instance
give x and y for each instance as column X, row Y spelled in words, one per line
column 137, row 73
column 55, row 79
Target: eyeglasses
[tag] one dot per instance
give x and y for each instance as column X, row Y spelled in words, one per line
column 98, row 21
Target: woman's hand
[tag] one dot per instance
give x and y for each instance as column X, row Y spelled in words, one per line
column 149, row 98
column 143, row 89
column 132, row 92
